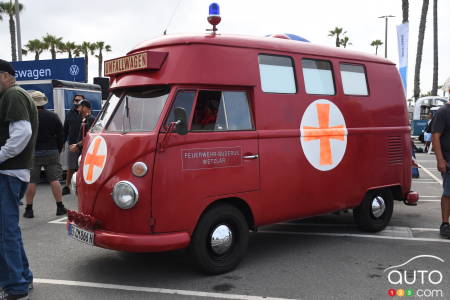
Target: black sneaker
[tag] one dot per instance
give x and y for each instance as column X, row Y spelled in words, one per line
column 445, row 230
column 61, row 210
column 65, row 190
column 28, row 213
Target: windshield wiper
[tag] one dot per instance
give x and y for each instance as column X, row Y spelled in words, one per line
column 126, row 113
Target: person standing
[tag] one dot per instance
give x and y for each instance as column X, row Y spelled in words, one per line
column 441, row 146
column 18, row 131
column 72, row 125
column 49, row 144
column 86, row 124
column 427, row 132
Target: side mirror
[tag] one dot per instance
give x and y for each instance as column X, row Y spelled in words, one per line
column 180, row 121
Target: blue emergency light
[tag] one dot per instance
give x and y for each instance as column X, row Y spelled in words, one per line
column 214, row 16
column 214, row 9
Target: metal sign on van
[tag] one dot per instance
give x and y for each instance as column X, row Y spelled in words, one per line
column 135, row 62
column 210, row 158
column 323, row 135
column 70, row 69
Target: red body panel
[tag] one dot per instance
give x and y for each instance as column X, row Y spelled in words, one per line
column 281, row 184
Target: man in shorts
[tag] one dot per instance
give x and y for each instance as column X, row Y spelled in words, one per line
column 441, row 146
column 72, row 126
column 50, row 141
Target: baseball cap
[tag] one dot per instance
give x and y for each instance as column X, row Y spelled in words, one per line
column 7, row 67
column 85, row 103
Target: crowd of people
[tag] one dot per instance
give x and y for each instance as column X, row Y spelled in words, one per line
column 31, row 140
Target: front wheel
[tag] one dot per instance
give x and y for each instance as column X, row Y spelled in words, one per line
column 220, row 239
column 375, row 211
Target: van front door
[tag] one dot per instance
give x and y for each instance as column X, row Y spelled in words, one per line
column 218, row 157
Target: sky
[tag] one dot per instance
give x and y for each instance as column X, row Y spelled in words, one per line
column 124, row 24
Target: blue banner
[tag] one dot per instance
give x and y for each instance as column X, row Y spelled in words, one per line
column 70, row 69
column 402, row 38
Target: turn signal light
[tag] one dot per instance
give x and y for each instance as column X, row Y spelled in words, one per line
column 139, row 169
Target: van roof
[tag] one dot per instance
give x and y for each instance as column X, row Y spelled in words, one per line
column 262, row 43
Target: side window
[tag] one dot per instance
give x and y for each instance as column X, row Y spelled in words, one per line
column 184, row 99
column 277, row 74
column 318, row 77
column 354, row 80
column 221, row 111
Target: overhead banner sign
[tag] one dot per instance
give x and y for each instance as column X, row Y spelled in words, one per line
column 402, row 37
column 70, row 69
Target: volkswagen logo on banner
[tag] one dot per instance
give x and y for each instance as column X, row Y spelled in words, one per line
column 70, row 69
column 74, row 70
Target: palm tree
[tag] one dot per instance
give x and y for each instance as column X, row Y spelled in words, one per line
column 435, row 50
column 423, row 19
column 337, row 32
column 100, row 46
column 68, row 47
column 405, row 10
column 10, row 9
column 51, row 43
column 35, row 46
column 85, row 48
column 345, row 41
column 376, row 44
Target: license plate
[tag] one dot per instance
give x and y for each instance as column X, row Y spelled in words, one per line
column 81, row 235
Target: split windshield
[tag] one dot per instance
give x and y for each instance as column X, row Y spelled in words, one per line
column 132, row 110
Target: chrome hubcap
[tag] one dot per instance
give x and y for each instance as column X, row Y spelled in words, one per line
column 221, row 239
column 378, row 206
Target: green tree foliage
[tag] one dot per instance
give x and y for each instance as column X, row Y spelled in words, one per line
column 100, row 46
column 36, row 46
column 51, row 43
column 9, row 9
column 376, row 44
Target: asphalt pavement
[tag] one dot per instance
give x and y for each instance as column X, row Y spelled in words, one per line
column 325, row 257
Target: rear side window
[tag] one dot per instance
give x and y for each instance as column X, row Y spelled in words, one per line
column 354, row 80
column 318, row 77
column 277, row 74
column 222, row 111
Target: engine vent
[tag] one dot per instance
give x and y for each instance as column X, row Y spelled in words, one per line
column 395, row 150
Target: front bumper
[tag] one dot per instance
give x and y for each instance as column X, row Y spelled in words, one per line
column 156, row 242
column 141, row 242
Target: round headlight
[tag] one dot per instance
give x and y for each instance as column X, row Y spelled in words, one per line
column 125, row 194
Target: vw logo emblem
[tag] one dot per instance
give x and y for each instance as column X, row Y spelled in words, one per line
column 74, row 70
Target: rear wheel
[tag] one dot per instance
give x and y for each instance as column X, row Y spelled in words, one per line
column 375, row 212
column 220, row 239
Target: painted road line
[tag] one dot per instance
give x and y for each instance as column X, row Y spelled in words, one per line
column 428, row 200
column 430, row 196
column 425, row 229
column 151, row 290
column 355, row 235
column 429, row 173
column 59, row 221
column 430, row 182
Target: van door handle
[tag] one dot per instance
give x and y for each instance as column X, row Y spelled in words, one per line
column 251, row 156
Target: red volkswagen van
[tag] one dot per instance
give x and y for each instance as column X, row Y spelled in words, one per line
column 206, row 137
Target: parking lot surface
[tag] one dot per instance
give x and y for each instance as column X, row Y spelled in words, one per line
column 325, row 257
